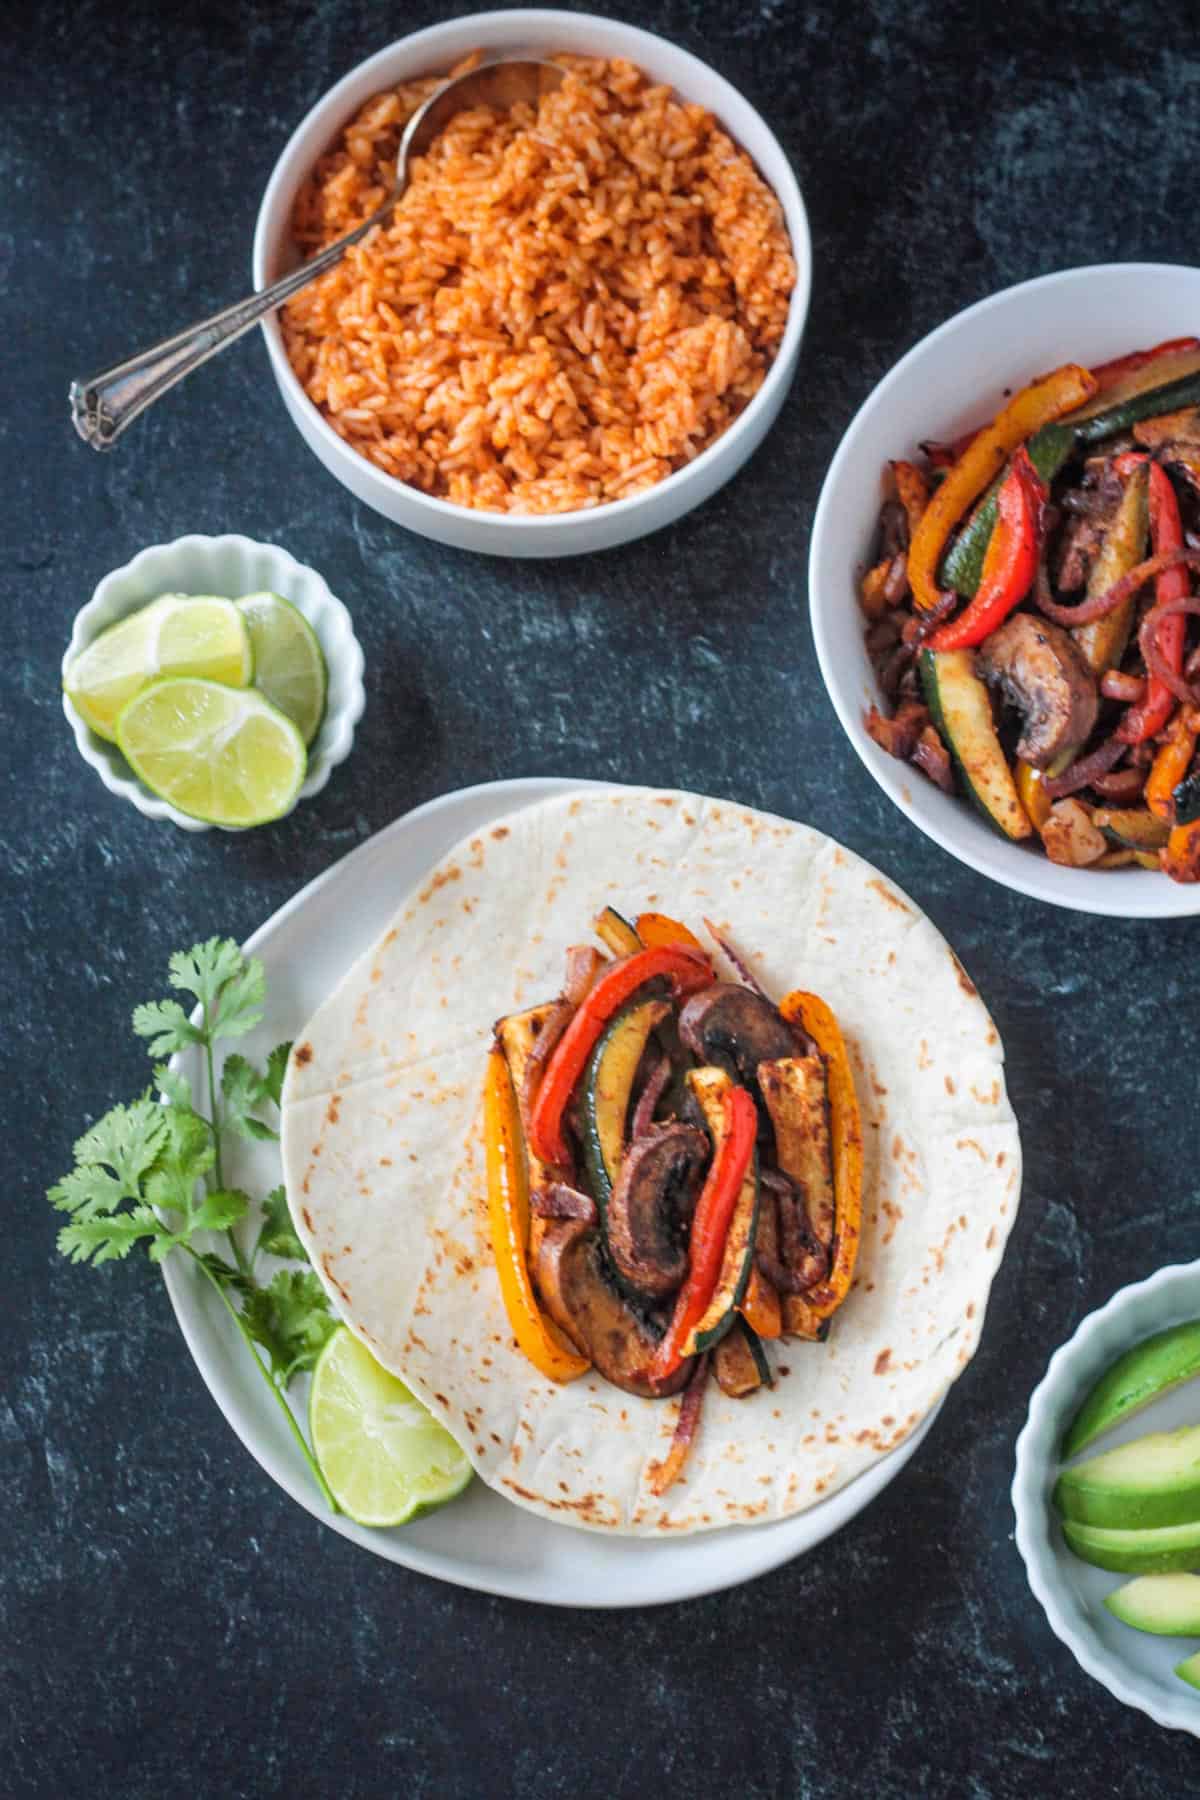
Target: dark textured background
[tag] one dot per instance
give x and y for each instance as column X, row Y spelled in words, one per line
column 169, row 1621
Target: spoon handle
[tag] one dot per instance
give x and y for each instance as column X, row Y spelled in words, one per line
column 103, row 406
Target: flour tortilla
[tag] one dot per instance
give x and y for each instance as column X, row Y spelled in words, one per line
column 382, row 1153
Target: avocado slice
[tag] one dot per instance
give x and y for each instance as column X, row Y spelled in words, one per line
column 1189, row 1669
column 1151, row 1368
column 1167, row 1605
column 1164, row 1550
column 1151, row 1482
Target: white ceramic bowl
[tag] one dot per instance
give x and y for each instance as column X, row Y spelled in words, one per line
column 229, row 566
column 1135, row 1667
column 430, row 52
column 951, row 380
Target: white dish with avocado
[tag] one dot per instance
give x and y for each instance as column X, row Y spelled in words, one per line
column 223, row 617
column 1107, row 1495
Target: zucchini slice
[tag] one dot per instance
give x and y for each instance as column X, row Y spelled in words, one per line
column 616, row 933
column 607, row 1086
column 962, row 712
column 1103, row 642
column 710, row 1085
column 1133, row 828
column 962, row 566
column 796, row 1092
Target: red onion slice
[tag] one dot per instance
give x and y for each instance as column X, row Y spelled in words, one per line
column 1081, row 773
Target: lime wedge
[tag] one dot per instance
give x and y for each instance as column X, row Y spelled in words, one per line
column 175, row 635
column 385, row 1457
column 222, row 754
column 288, row 664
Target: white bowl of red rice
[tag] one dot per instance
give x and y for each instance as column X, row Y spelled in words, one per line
column 948, row 384
column 575, row 327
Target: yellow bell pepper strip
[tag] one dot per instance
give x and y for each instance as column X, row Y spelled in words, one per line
column 1171, row 763
column 710, row 1227
column 760, row 1306
column 1038, row 404
column 508, row 1227
column 686, row 969
column 845, row 1130
column 1031, row 792
column 655, row 929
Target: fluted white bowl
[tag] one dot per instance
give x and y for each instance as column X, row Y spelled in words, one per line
column 230, row 566
column 1137, row 1668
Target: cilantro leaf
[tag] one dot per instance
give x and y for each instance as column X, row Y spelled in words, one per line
column 112, row 1159
column 243, row 1088
column 204, row 969
column 176, row 1087
column 220, row 1209
column 277, row 1064
column 291, row 1320
column 167, row 1025
column 186, row 1154
column 278, row 1235
column 102, row 1239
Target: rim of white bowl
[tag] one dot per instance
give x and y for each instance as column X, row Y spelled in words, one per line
column 1138, row 894
column 534, row 19
column 1036, row 1445
column 345, row 654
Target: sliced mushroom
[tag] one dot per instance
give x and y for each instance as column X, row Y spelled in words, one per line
column 736, row 1029
column 582, row 1301
column 1041, row 671
column 654, row 1196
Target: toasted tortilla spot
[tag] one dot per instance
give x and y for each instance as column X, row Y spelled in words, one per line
column 967, row 1143
column 990, row 1240
column 331, row 1113
column 964, row 980
column 303, row 1053
column 950, row 1087
column 307, row 1217
column 885, row 893
column 882, row 1361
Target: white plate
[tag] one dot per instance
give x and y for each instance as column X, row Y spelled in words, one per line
column 479, row 1541
column 1136, row 1667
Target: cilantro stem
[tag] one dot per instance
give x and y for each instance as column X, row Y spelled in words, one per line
column 280, row 1399
column 239, row 1256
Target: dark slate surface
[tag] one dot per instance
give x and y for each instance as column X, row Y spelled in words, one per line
column 170, row 1621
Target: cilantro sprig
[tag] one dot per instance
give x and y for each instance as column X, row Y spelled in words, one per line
column 151, row 1172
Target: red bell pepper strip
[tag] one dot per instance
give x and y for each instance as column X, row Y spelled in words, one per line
column 710, row 1227
column 1011, row 561
column 1149, row 716
column 1108, row 373
column 687, row 970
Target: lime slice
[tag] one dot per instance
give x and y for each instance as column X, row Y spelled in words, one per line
column 385, row 1457
column 175, row 635
column 222, row 754
column 288, row 664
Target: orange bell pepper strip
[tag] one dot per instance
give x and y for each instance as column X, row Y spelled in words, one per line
column 1039, row 404
column 685, row 968
column 845, row 1132
column 1149, row 716
column 761, row 1307
column 710, row 1227
column 1171, row 763
column 1181, row 857
column 508, row 1227
column 656, row 929
column 1011, row 560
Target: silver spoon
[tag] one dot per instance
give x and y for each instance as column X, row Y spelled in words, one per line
column 102, row 407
